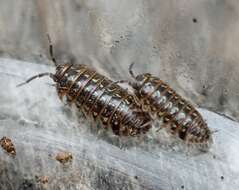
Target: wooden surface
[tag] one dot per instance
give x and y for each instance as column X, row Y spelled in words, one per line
column 40, row 126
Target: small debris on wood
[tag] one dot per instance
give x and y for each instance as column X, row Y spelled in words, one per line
column 64, row 157
column 27, row 184
column 42, row 179
column 195, row 20
column 7, row 145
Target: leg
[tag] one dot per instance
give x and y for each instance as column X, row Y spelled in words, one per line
column 121, row 81
column 51, row 50
column 36, row 76
column 160, row 127
column 61, row 91
column 147, row 123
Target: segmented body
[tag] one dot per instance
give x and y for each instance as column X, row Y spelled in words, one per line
column 101, row 99
column 177, row 113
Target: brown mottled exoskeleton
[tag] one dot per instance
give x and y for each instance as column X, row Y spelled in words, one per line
column 7, row 145
column 64, row 157
column 164, row 103
column 99, row 98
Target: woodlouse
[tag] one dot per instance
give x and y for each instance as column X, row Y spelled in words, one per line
column 165, row 104
column 99, row 98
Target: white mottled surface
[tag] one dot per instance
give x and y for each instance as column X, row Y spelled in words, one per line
column 40, row 126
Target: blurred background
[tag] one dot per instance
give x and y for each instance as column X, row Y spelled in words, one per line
column 192, row 45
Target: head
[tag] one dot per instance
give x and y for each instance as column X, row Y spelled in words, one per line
column 61, row 69
column 139, row 80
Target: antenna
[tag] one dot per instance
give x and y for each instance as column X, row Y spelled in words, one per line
column 51, row 50
column 131, row 70
column 36, row 76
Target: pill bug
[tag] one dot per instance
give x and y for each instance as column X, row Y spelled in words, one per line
column 177, row 114
column 100, row 99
